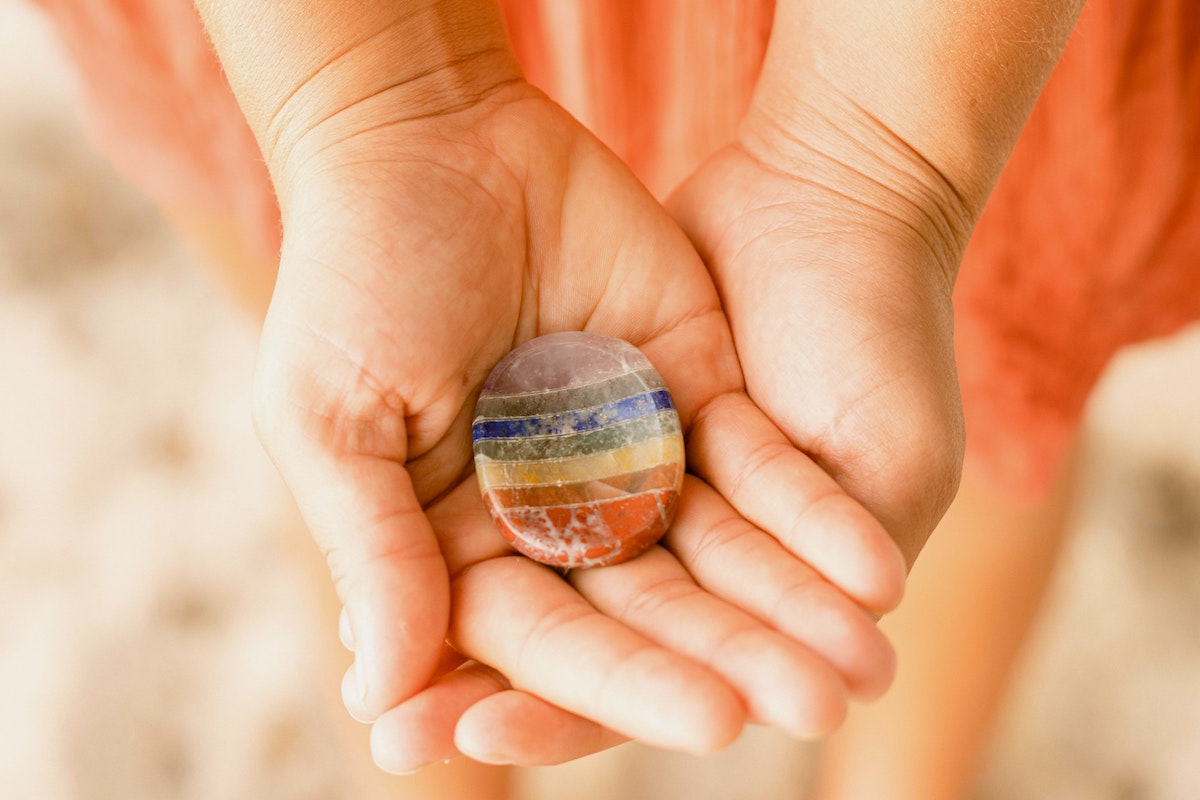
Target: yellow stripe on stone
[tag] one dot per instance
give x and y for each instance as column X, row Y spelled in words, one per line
column 595, row 466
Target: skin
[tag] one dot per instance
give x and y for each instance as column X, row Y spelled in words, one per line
column 384, row 400
column 480, row 208
column 875, row 135
column 438, row 212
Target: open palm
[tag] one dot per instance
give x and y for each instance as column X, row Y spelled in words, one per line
column 416, row 254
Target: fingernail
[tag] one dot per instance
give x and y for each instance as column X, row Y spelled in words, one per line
column 393, row 762
column 360, row 677
column 393, row 770
column 345, row 632
column 495, row 759
column 402, row 772
column 484, row 756
column 353, row 696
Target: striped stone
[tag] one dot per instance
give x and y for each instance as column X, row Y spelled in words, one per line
column 578, row 450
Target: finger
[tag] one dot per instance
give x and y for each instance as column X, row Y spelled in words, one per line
column 386, row 567
column 351, row 696
column 345, row 633
column 420, row 731
column 734, row 560
column 741, row 454
column 515, row 727
column 465, row 531
column 521, row 618
column 783, row 684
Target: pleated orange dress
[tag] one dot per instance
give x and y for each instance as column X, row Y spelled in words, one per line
column 1090, row 241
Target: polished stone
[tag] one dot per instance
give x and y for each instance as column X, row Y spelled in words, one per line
column 578, row 450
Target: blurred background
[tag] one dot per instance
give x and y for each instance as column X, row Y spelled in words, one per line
column 159, row 633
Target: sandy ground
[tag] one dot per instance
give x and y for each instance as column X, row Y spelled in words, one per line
column 158, row 631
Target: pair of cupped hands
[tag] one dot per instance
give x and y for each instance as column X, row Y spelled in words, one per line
column 794, row 293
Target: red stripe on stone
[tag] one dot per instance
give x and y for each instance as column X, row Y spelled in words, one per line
column 588, row 534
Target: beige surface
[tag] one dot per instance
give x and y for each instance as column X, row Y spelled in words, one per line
column 158, row 632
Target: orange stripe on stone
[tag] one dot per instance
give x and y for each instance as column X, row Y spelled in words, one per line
column 663, row 476
column 587, row 466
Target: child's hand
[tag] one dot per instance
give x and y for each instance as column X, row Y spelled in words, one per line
column 417, row 252
column 837, row 284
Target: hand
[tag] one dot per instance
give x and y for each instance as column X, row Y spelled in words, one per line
column 837, row 283
column 417, row 252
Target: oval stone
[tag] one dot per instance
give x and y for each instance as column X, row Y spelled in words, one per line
column 578, row 450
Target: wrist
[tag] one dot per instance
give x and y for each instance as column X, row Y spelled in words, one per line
column 951, row 84
column 871, row 178
column 307, row 75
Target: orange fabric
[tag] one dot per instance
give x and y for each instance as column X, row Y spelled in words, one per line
column 154, row 99
column 661, row 82
column 1090, row 241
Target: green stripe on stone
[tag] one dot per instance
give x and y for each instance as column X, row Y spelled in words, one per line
column 537, row 448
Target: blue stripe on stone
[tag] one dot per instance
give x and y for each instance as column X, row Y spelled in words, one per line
column 585, row 419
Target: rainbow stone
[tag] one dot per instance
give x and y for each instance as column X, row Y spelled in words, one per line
column 578, row 450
